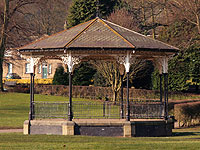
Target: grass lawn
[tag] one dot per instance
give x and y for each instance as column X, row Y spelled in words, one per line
column 14, row 107
column 184, row 139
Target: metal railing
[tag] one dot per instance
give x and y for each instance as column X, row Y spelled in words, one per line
column 98, row 110
column 106, row 110
column 146, row 110
column 50, row 110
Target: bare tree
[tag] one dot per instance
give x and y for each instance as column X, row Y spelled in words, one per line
column 190, row 10
column 111, row 72
column 149, row 14
column 124, row 18
column 3, row 39
column 9, row 22
column 47, row 16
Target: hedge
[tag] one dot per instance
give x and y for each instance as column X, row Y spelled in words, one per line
column 187, row 114
column 27, row 81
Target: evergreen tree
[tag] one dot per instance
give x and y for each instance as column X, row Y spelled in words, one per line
column 99, row 80
column 182, row 68
column 83, row 75
column 60, row 77
column 84, row 10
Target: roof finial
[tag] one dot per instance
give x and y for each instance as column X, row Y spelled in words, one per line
column 97, row 7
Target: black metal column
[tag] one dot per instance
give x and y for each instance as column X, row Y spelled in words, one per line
column 166, row 94
column 70, row 113
column 128, row 104
column 161, row 89
column 122, row 99
column 31, row 97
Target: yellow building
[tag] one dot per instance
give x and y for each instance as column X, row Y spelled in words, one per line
column 14, row 66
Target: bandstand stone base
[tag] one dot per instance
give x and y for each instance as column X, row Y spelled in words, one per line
column 101, row 127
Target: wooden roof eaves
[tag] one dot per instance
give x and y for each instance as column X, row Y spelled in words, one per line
column 157, row 50
column 42, row 49
column 100, row 48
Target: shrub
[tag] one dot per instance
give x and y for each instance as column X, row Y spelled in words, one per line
column 187, row 113
column 60, row 77
column 27, row 81
column 83, row 75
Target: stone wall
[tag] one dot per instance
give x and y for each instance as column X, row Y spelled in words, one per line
column 98, row 127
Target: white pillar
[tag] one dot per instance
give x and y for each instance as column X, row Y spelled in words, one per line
column 31, row 69
column 127, row 63
column 165, row 64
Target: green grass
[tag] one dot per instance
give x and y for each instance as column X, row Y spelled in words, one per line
column 184, row 139
column 14, row 107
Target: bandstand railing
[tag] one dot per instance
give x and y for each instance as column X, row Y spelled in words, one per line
column 43, row 110
column 98, row 110
column 146, row 110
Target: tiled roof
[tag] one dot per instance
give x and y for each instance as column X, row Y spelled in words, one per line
column 98, row 33
column 139, row 40
column 57, row 40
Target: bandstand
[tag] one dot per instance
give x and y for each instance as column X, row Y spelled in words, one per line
column 99, row 39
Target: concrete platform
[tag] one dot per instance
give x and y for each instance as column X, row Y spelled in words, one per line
column 101, row 127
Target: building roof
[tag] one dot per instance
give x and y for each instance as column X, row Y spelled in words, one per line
column 98, row 33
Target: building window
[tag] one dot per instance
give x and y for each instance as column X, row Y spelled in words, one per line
column 39, row 68
column 9, row 68
column 50, row 69
column 27, row 68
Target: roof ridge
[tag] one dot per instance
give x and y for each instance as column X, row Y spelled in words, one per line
column 118, row 34
column 139, row 34
column 80, row 33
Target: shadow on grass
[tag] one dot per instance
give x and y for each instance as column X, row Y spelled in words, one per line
column 185, row 133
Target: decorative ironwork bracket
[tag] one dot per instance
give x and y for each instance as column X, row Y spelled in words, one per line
column 161, row 64
column 165, row 64
column 70, row 61
column 126, row 60
column 33, row 62
column 158, row 64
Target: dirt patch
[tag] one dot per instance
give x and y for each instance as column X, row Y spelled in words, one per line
column 6, row 127
column 11, row 130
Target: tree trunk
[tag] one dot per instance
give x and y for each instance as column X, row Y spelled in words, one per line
column 3, row 40
column 114, row 96
column 166, row 12
column 143, row 13
column 153, row 22
column 1, row 75
column 198, row 23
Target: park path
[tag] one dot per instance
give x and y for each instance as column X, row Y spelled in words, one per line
column 10, row 130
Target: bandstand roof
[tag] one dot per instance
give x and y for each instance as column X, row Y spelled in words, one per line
column 97, row 34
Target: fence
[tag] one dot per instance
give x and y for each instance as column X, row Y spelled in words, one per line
column 100, row 110
column 50, row 110
column 147, row 110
